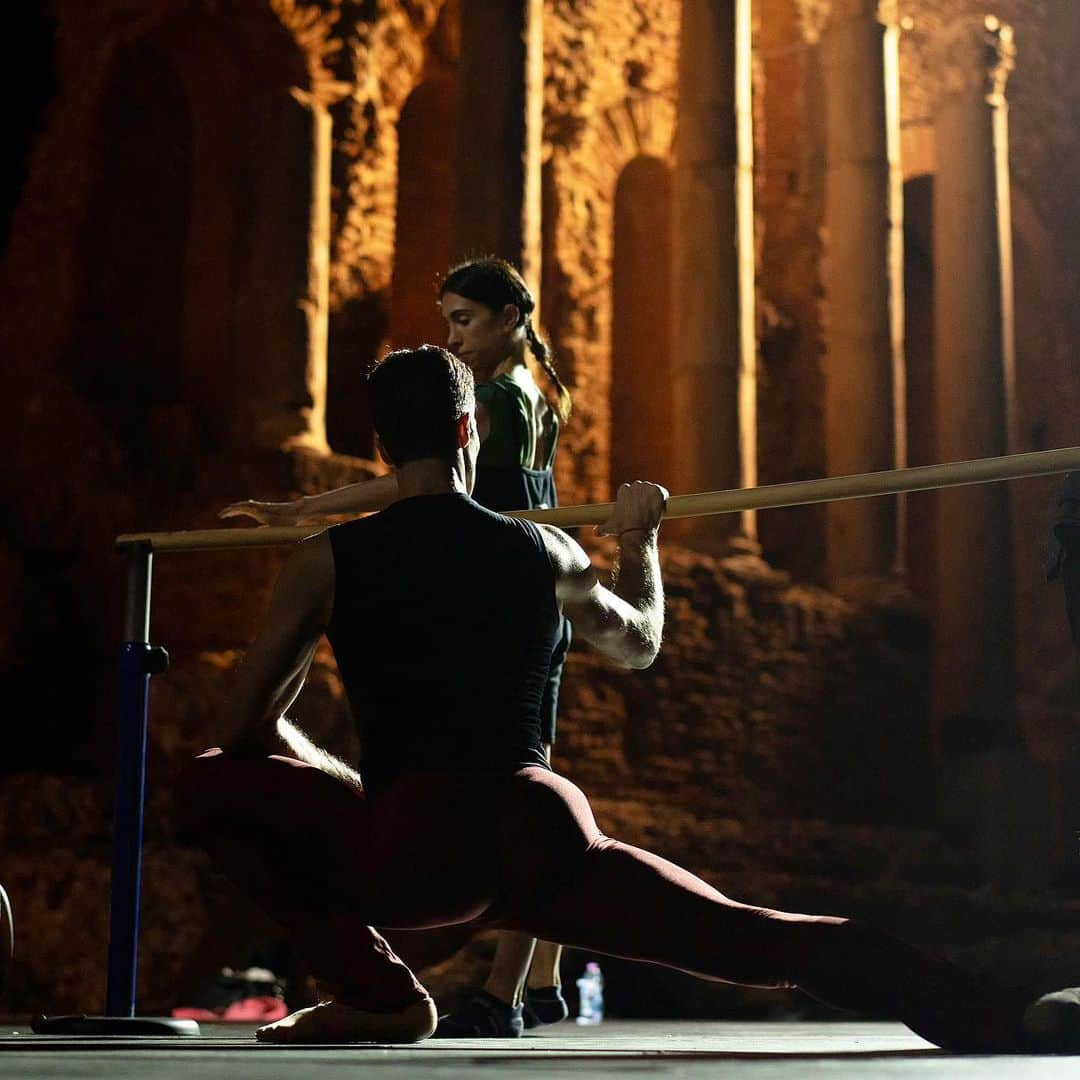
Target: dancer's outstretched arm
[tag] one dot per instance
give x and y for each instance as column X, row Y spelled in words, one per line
column 625, row 622
column 363, row 497
column 359, row 498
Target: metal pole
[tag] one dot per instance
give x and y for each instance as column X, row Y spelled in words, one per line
column 138, row 661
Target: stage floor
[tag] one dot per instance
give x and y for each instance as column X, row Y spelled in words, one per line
column 618, row 1048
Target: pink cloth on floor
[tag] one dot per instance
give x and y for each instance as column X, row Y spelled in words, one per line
column 263, row 1009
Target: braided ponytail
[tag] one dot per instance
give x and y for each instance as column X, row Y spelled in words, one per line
column 540, row 350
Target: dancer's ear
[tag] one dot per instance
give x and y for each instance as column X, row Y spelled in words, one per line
column 510, row 317
column 462, row 428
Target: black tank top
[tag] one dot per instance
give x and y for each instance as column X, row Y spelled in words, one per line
column 442, row 675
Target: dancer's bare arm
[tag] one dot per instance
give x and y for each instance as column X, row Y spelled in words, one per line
column 625, row 622
column 362, row 497
column 277, row 663
column 358, row 498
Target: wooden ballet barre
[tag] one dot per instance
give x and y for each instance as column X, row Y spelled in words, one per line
column 770, row 496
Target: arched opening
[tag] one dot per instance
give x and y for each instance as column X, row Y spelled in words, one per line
column 128, row 355
column 641, row 368
column 250, row 353
column 423, row 241
column 195, row 332
column 919, row 352
column 426, row 194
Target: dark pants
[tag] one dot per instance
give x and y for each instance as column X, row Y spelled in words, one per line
column 522, row 851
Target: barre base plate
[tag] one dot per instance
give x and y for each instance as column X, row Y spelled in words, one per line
column 80, row 1024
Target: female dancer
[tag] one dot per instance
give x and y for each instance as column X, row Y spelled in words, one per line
column 488, row 310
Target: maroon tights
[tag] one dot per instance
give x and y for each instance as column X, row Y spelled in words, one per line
column 522, row 851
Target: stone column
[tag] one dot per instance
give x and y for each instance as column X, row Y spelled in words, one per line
column 973, row 391
column 500, row 124
column 282, row 301
column 862, row 276
column 316, row 302
column 715, row 350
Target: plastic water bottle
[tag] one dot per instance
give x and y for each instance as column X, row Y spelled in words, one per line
column 591, row 995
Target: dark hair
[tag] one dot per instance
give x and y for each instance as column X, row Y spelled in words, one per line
column 495, row 283
column 416, row 396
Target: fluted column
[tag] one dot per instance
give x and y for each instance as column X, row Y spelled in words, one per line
column 862, row 275
column 500, row 125
column 973, row 393
column 973, row 368
column 715, row 350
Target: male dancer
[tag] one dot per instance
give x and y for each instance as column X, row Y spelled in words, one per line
column 445, row 683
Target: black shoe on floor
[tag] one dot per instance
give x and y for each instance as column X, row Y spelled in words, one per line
column 1052, row 1024
column 482, row 1017
column 544, row 1005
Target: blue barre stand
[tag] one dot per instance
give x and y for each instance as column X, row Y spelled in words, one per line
column 139, row 660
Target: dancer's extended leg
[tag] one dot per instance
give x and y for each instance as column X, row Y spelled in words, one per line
column 621, row 900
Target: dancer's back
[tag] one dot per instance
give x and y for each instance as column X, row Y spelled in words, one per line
column 443, row 625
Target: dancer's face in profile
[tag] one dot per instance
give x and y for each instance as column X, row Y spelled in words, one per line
column 477, row 334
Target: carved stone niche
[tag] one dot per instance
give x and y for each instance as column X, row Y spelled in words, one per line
column 973, row 55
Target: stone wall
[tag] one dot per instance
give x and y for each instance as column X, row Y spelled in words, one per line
column 609, row 98
column 1045, row 160
column 108, row 436
column 1044, row 104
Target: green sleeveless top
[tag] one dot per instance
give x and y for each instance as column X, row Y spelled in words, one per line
column 505, row 479
column 511, row 440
